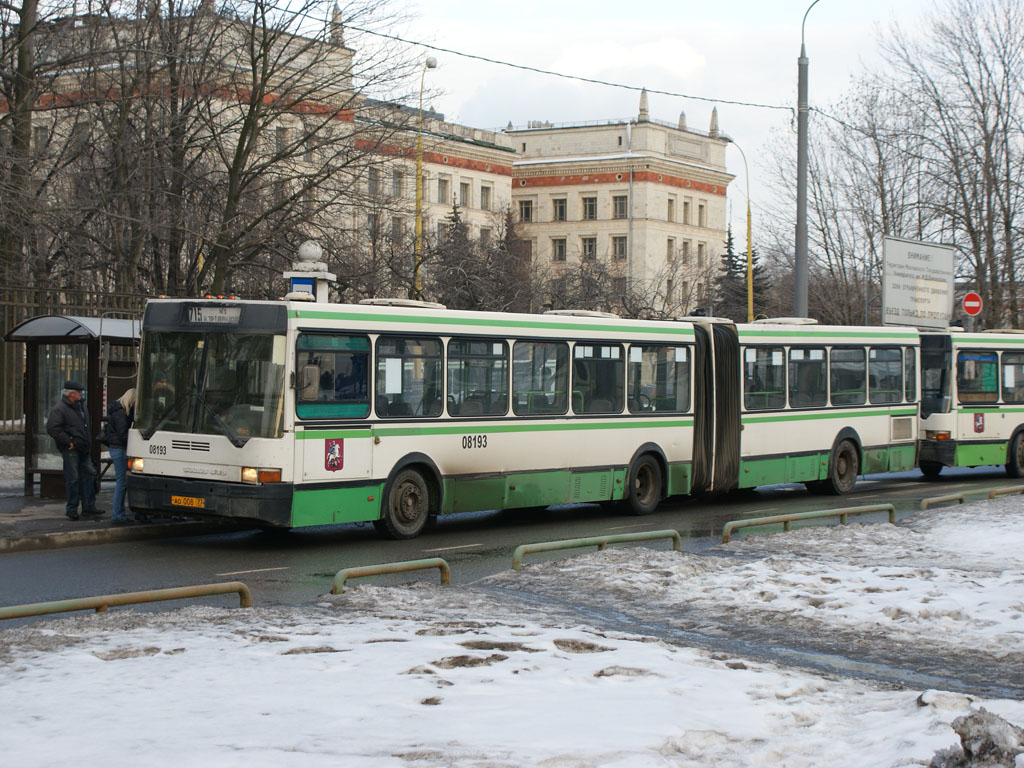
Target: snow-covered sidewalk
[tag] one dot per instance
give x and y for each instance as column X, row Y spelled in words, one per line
column 430, row 676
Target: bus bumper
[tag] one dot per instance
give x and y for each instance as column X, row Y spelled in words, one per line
column 938, row 452
column 269, row 504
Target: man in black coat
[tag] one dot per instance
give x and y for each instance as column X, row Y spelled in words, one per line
column 68, row 425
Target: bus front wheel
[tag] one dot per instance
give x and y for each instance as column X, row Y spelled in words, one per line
column 644, row 490
column 407, row 505
column 844, row 468
column 1015, row 459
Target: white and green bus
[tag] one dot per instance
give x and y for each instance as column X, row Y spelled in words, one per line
column 972, row 400
column 298, row 413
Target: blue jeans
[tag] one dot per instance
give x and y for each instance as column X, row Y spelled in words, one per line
column 119, row 456
column 79, row 481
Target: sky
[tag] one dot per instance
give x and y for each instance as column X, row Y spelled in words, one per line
column 506, row 673
column 736, row 50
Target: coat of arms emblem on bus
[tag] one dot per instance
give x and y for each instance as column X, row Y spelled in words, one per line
column 334, row 455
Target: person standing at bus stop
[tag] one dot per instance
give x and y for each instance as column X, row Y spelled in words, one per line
column 68, row 425
column 120, row 416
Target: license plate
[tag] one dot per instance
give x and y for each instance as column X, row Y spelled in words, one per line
column 194, row 502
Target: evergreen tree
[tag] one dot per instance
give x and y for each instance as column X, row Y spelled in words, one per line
column 731, row 284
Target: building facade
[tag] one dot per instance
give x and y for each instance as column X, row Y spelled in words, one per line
column 645, row 196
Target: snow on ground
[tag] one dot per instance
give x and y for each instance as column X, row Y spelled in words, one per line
column 952, row 577
column 425, row 675
column 12, row 472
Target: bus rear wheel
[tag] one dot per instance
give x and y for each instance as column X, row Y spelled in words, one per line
column 644, row 490
column 1015, row 458
column 931, row 469
column 843, row 469
column 406, row 506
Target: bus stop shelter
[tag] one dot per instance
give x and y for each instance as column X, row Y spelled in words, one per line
column 100, row 352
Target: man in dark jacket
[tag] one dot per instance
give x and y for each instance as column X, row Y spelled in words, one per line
column 68, row 425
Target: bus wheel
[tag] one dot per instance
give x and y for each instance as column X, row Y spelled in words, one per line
column 644, row 490
column 1015, row 459
column 931, row 469
column 844, row 470
column 407, row 505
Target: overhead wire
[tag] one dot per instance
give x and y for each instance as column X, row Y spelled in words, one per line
column 578, row 78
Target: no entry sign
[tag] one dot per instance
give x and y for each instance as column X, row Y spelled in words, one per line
column 972, row 304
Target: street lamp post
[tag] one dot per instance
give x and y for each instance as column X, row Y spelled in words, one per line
column 800, row 267
column 429, row 63
column 750, row 252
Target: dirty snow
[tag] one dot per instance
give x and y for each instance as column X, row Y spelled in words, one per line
column 476, row 676
column 12, row 472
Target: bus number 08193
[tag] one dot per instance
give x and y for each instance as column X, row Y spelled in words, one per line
column 474, row 441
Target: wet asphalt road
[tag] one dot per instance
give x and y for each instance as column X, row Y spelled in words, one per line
column 296, row 567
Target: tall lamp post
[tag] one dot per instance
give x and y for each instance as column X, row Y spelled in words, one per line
column 429, row 63
column 750, row 252
column 800, row 267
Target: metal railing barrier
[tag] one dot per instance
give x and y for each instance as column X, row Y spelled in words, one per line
column 957, row 497
column 101, row 603
column 1005, row 491
column 787, row 519
column 594, row 541
column 376, row 570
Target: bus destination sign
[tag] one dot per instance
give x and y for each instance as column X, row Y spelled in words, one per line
column 204, row 315
column 917, row 283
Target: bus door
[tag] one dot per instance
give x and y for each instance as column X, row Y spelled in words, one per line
column 716, row 423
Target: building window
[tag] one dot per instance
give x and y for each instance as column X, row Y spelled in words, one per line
column 485, row 235
column 526, row 210
column 282, row 139
column 397, row 182
column 485, row 198
column 620, row 286
column 588, row 247
column 670, row 248
column 670, row 214
column 686, row 252
column 619, row 207
column 669, row 285
column 40, row 137
column 558, row 249
column 397, row 229
column 589, row 208
column 442, row 231
column 465, row 194
column 686, row 211
column 371, row 225
column 702, row 215
column 373, row 181
column 619, row 247
column 558, row 209
column 701, row 254
column 443, row 187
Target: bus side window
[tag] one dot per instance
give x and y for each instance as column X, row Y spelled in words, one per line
column 1013, row 377
column 807, row 377
column 848, row 376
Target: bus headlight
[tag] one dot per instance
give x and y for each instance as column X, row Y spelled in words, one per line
column 136, row 464
column 256, row 475
column 931, row 434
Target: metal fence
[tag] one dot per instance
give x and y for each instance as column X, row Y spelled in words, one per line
column 19, row 303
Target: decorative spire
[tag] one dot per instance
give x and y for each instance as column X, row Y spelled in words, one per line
column 645, row 114
column 337, row 30
column 713, row 129
column 682, row 120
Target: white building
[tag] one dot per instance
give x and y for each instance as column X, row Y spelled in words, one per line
column 647, row 196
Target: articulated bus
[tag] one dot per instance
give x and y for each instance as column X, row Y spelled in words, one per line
column 972, row 400
column 298, row 413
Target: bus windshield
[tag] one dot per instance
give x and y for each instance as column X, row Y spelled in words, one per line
column 936, row 375
column 229, row 384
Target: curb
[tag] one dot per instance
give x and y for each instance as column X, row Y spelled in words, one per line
column 108, row 535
